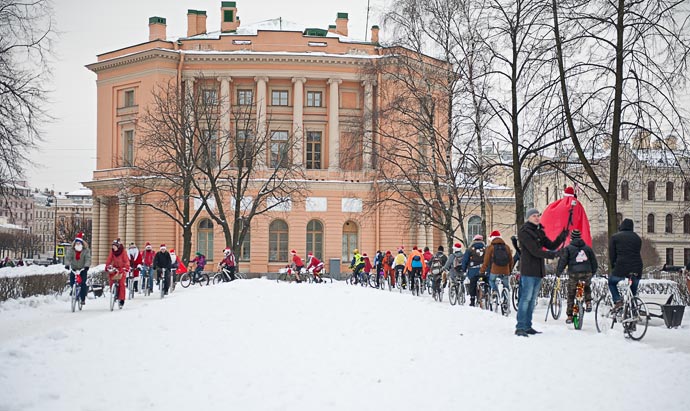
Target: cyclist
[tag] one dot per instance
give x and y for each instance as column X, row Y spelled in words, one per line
column 134, row 262
column 229, row 263
column 162, row 263
column 387, row 264
column 582, row 265
column 427, row 260
column 415, row 264
column 367, row 268
column 378, row 264
column 200, row 261
column 357, row 264
column 297, row 265
column 454, row 262
column 316, row 265
column 117, row 259
column 498, row 260
column 147, row 264
column 78, row 259
column 435, row 267
column 399, row 263
column 472, row 262
column 177, row 267
column 625, row 259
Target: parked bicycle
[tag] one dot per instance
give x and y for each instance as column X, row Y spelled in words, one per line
column 499, row 300
column 456, row 291
column 632, row 315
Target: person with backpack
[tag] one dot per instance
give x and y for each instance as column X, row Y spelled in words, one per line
column 453, row 264
column 498, row 260
column 582, row 265
column 472, row 262
column 415, row 264
column 435, row 268
column 399, row 263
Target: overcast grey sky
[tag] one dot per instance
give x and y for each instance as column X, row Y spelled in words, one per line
column 68, row 154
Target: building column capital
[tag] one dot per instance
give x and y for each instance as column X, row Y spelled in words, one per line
column 299, row 80
column 368, row 83
column 263, row 79
column 224, row 78
column 333, row 81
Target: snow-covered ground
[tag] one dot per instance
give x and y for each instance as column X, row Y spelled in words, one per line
column 260, row 345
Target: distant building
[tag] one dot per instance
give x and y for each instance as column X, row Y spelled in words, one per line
column 17, row 207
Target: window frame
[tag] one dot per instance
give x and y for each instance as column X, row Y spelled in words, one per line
column 625, row 190
column 669, row 256
column 283, row 147
column 651, row 191
column 474, row 223
column 128, row 98
column 243, row 161
column 311, row 150
column 278, row 237
column 651, row 227
column 315, row 238
column 283, row 96
column 350, row 240
column 211, row 92
column 311, row 98
column 668, row 224
column 686, row 224
column 669, row 191
column 128, row 147
column 207, row 231
column 242, row 95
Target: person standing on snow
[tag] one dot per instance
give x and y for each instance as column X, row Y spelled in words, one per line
column 78, row 259
column 626, row 260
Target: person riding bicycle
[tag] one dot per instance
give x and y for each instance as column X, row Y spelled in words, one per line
column 415, row 264
column 228, row 263
column 78, row 260
column 200, row 260
column 357, row 264
column 435, row 268
column 147, row 264
column 399, row 263
column 177, row 268
column 387, row 266
column 162, row 263
column 582, row 265
column 297, row 265
column 472, row 262
column 625, row 260
column 119, row 261
column 135, row 260
column 427, row 255
column 315, row 265
column 498, row 260
column 367, row 267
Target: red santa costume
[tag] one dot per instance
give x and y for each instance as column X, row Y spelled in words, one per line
column 557, row 216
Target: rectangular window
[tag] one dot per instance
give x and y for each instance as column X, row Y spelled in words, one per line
column 314, row 98
column 279, row 98
column 245, row 97
column 128, row 148
column 210, row 96
column 280, row 156
column 209, row 151
column 313, row 150
column 669, row 256
column 129, row 98
column 228, row 15
column 244, row 149
column 686, row 256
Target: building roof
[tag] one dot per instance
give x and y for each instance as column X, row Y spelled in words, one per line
column 81, row 192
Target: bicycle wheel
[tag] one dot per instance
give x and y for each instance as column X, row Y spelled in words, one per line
column 452, row 295
column 577, row 314
column 131, row 288
column 556, row 304
column 505, row 305
column 515, row 296
column 372, row 281
column 635, row 319
column 493, row 303
column 185, row 280
column 73, row 297
column 113, row 296
column 217, row 279
column 460, row 295
column 203, row 279
column 603, row 318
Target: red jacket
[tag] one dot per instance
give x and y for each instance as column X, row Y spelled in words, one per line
column 147, row 257
column 313, row 262
column 121, row 262
column 229, row 260
column 367, row 265
column 297, row 261
column 134, row 262
column 427, row 258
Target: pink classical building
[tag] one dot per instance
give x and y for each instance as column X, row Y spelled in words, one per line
column 309, row 80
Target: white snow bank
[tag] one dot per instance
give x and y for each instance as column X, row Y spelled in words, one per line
column 260, row 345
column 25, row 271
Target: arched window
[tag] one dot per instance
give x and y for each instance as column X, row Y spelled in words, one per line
column 686, row 191
column 650, row 223
column 651, row 191
column 669, row 224
column 625, row 190
column 315, row 238
column 204, row 238
column 278, row 241
column 686, row 224
column 350, row 239
column 669, row 191
column 474, row 226
column 619, row 219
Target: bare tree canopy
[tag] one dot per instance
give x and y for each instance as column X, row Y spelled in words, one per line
column 26, row 31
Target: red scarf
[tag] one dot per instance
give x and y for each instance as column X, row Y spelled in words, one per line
column 77, row 255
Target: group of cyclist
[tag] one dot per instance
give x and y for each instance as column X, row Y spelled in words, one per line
column 138, row 264
column 314, row 267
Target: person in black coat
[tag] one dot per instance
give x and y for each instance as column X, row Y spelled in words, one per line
column 582, row 264
column 162, row 263
column 625, row 259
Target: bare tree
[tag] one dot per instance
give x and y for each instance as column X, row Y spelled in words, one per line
column 625, row 86
column 68, row 227
column 26, row 32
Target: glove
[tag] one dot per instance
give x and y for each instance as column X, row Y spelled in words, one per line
column 66, row 267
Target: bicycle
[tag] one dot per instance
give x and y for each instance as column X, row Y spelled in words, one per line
column 144, row 275
column 416, row 285
column 188, row 279
column 75, row 292
column 579, row 308
column 456, row 291
column 130, row 283
column 483, row 292
column 555, row 300
column 437, row 292
column 499, row 299
column 400, row 279
column 114, row 288
column 376, row 281
column 632, row 315
column 515, row 290
column 162, row 281
column 222, row 276
column 287, row 274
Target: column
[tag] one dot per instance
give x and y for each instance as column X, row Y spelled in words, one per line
column 121, row 218
column 298, row 120
column 95, row 230
column 333, row 124
column 261, row 104
column 224, row 131
column 368, row 143
column 103, row 240
column 130, row 219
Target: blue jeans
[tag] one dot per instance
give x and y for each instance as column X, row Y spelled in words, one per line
column 505, row 279
column 613, row 286
column 529, row 291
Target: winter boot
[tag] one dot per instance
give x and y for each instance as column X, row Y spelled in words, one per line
column 471, row 301
column 569, row 320
column 521, row 333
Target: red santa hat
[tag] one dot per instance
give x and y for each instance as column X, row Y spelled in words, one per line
column 478, row 237
column 293, row 252
column 162, row 246
column 80, row 238
column 148, row 245
column 310, row 254
column 414, row 248
column 495, row 234
column 365, row 255
column 569, row 192
column 457, row 247
column 172, row 251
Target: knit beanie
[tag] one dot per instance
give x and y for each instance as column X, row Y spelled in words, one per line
column 530, row 213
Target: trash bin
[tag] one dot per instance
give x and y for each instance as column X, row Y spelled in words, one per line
column 673, row 315
column 334, row 268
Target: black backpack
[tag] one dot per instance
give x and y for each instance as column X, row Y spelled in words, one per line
column 476, row 256
column 501, row 255
column 457, row 263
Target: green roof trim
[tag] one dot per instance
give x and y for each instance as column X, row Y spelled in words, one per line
column 228, row 4
column 342, row 15
column 315, row 32
column 197, row 12
column 157, row 20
